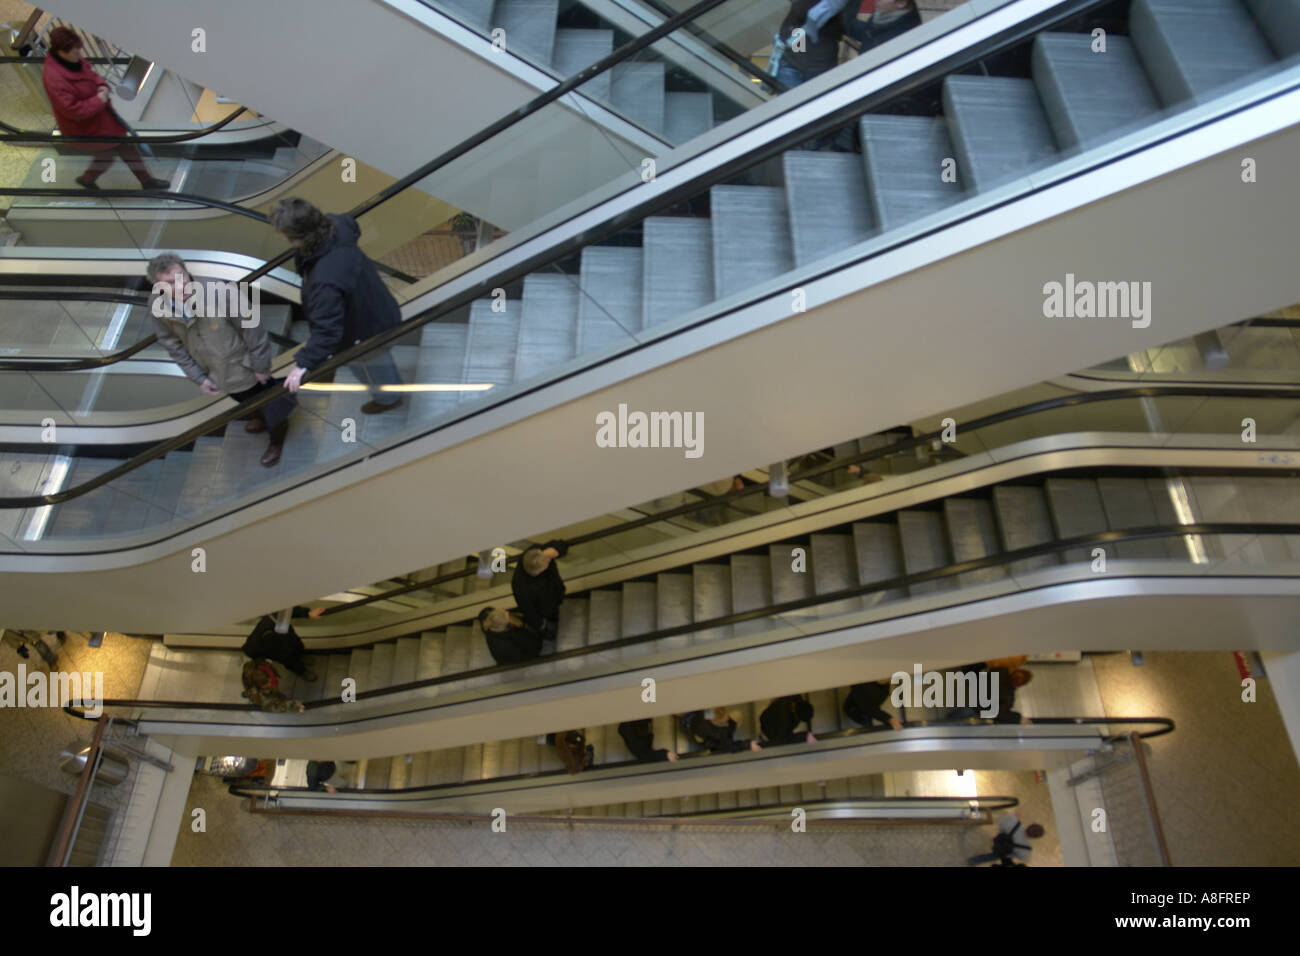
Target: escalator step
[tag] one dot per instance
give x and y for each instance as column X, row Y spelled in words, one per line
column 419, row 772
column 548, row 324
column 711, row 593
column 1191, row 49
column 972, row 533
column 925, row 546
column 337, row 668
column 477, row 12
column 1023, row 522
column 490, row 347
column 678, row 274
column 879, row 557
column 471, row 767
column 674, row 603
column 751, row 237
column 529, row 26
column 572, row 632
column 1129, row 504
column 826, row 194
column 441, row 361
column 609, row 308
column 359, row 669
column 637, row 91
column 904, row 158
column 834, row 569
column 479, row 655
column 530, row 754
column 405, row 660
column 638, row 615
column 1279, row 21
column 1090, row 97
column 837, row 789
column 787, row 583
column 1076, row 509
column 456, row 650
column 998, row 128
column 686, row 116
column 575, row 50
column 751, row 588
column 429, row 661
column 826, row 711
column 604, row 623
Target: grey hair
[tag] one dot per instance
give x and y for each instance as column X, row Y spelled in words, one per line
column 535, row 561
column 163, row 262
column 302, row 222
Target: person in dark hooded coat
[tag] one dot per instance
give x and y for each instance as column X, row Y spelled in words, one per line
column 345, row 300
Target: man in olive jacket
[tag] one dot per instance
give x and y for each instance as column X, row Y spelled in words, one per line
column 216, row 352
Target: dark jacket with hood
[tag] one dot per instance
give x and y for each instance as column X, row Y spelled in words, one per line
column 781, row 718
column 343, row 297
column 539, row 598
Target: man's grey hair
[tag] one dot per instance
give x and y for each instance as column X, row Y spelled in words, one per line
column 163, row 262
column 535, row 561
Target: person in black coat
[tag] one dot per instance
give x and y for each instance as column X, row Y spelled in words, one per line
column 509, row 640
column 639, row 735
column 715, row 730
column 538, row 587
column 891, row 18
column 863, row 705
column 781, row 718
column 287, row 648
column 345, row 300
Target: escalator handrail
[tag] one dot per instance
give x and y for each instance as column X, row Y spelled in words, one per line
column 13, row 134
column 782, row 607
column 1164, row 725
column 897, row 447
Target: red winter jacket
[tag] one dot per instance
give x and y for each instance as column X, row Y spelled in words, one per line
column 77, row 110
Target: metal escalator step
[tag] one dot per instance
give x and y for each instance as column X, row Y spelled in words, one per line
column 787, row 583
column 728, row 801
column 706, row 802
column 769, row 796
column 790, row 794
column 456, row 649
column 998, row 127
column 826, row 711
column 751, row 237
column 746, row 799
column 674, row 607
column 572, row 633
column 471, row 767
column 711, row 598
column 751, row 589
column 491, row 762
column 1279, row 21
column 665, row 731
column 405, row 660
column 811, row 791
column 1076, row 509
column 686, row 116
column 638, row 609
column 548, row 324
column 1090, row 97
column 833, row 569
column 477, row 12
column 446, row 766
column 338, row 667
column 359, row 669
column 381, row 665
column 826, row 194
column 925, row 546
column 576, row 50
column 678, row 273
column 614, row 749
column 637, row 91
column 879, row 553
column 529, row 754
column 1129, row 504
column 441, row 361
column 972, row 534
column 1023, row 522
column 609, row 306
column 837, row 789
column 429, row 661
column 530, row 27
column 604, row 624
column 490, row 347
column 1191, row 49
column 479, row 655
column 905, row 159
column 419, row 772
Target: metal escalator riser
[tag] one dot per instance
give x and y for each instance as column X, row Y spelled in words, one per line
column 925, row 547
column 471, row 763
column 787, row 583
column 494, row 758
column 1023, row 522
column 687, row 115
column 826, row 712
column 609, row 308
column 972, row 533
column 572, row 634
column 904, row 156
column 604, row 623
column 530, row 755
column 751, row 588
column 826, row 194
column 638, row 614
column 477, row 12
column 429, row 660
column 490, row 347
column 338, row 667
column 637, row 91
column 576, row 50
column 998, row 128
column 678, row 268
column 441, row 360
column 456, row 649
column 1089, row 97
column 879, row 553
column 751, row 237
column 665, row 731
column 1076, row 509
column 548, row 324
column 1189, row 50
column 1128, row 505
column 834, row 568
column 1279, row 21
column 419, row 772
column 359, row 668
column 711, row 591
column 479, row 655
column 674, row 604
column 529, row 26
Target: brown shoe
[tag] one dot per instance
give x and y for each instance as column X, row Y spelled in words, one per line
column 255, row 425
column 271, row 457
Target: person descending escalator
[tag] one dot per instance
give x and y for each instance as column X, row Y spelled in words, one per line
column 639, row 735
column 804, row 55
column 715, row 730
column 262, row 688
column 273, row 641
column 80, row 99
column 864, row 705
column 509, row 639
column 780, row 721
column 345, row 300
column 539, row 589
column 573, row 749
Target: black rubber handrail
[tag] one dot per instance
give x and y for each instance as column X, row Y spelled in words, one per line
column 13, row 134
column 897, row 447
column 782, row 607
column 1164, row 726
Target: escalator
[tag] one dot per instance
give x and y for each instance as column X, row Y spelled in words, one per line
column 525, row 776
column 614, row 303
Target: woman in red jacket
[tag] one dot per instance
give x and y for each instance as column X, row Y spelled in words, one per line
column 80, row 100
